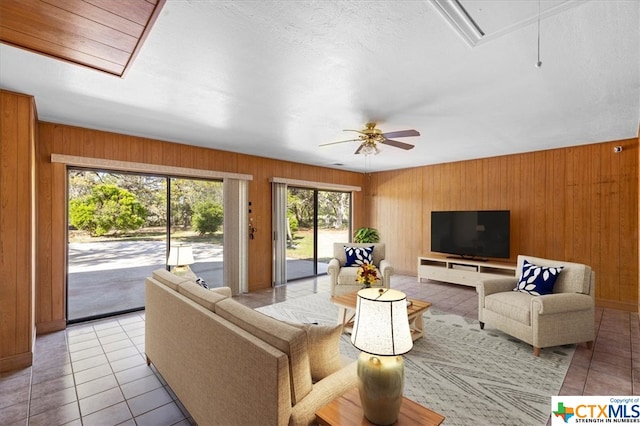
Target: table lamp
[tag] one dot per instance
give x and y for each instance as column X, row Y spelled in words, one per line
column 180, row 257
column 381, row 331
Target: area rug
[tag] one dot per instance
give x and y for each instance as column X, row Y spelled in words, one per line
column 471, row 376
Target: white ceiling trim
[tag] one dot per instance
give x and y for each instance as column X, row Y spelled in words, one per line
column 468, row 29
column 128, row 166
column 457, row 16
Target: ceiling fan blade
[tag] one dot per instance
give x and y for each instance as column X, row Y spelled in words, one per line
column 360, row 148
column 351, row 130
column 333, row 143
column 401, row 134
column 397, row 144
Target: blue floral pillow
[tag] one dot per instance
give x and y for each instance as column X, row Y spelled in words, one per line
column 202, row 283
column 357, row 256
column 537, row 280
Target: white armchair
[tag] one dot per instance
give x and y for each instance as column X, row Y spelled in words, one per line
column 343, row 278
column 564, row 317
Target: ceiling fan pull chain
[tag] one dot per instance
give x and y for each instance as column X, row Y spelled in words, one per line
column 539, row 63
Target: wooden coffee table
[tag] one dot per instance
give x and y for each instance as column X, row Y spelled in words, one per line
column 347, row 411
column 347, row 309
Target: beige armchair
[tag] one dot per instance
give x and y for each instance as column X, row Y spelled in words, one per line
column 564, row 317
column 343, row 278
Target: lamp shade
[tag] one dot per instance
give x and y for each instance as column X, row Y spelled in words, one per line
column 180, row 255
column 381, row 324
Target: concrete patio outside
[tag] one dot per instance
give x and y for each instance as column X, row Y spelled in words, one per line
column 108, row 277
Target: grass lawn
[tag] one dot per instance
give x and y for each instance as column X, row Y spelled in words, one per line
column 303, row 243
column 302, row 247
column 149, row 234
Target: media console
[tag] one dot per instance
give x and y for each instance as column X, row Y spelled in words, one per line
column 462, row 271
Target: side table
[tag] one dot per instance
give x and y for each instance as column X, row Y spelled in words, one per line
column 346, row 304
column 347, row 411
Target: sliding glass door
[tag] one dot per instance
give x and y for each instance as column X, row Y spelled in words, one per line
column 120, row 228
column 315, row 220
column 196, row 219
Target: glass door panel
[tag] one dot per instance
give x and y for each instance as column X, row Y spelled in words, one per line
column 300, row 233
column 334, row 213
column 119, row 226
column 116, row 238
column 196, row 221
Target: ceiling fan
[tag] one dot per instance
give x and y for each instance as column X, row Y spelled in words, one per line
column 371, row 136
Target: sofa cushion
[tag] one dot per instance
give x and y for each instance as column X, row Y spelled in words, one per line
column 167, row 278
column 511, row 304
column 537, row 280
column 287, row 338
column 348, row 275
column 225, row 291
column 324, row 349
column 356, row 256
column 202, row 296
column 575, row 278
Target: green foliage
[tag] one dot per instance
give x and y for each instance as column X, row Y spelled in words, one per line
column 151, row 192
column 293, row 223
column 300, row 204
column 105, row 208
column 207, row 217
column 332, row 208
column 366, row 235
column 186, row 194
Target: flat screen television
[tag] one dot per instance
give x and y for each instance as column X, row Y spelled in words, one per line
column 476, row 234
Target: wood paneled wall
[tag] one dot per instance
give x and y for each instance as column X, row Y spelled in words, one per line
column 576, row 204
column 68, row 140
column 17, row 225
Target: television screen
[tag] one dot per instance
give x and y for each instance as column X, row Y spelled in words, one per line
column 473, row 234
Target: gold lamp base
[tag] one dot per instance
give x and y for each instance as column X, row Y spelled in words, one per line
column 380, row 381
column 184, row 271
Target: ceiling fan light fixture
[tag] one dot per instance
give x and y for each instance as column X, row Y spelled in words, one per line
column 369, row 149
column 371, row 136
column 458, row 17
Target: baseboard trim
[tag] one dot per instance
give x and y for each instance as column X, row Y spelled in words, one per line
column 612, row 304
column 16, row 362
column 51, row 326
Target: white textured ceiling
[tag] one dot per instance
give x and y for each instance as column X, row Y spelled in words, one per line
column 279, row 78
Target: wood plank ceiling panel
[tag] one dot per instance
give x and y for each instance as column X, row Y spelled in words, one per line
column 101, row 34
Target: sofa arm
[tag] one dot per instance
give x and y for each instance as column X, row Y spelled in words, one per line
column 496, row 285
column 334, row 267
column 323, row 392
column 561, row 302
column 385, row 268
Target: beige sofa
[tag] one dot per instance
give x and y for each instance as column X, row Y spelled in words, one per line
column 343, row 278
column 564, row 317
column 231, row 365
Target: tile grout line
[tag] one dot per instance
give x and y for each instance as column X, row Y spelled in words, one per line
column 119, row 386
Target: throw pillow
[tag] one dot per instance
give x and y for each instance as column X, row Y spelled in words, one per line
column 323, row 345
column 537, row 280
column 202, row 283
column 357, row 256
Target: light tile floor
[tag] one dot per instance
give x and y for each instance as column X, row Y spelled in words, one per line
column 95, row 373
